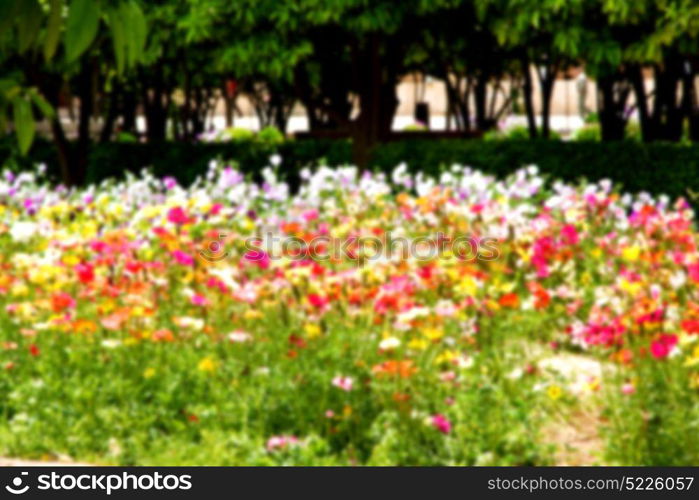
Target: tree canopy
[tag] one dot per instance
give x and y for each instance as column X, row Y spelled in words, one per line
column 170, row 60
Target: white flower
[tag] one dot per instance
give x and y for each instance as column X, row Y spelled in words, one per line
column 111, row 343
column 389, row 343
column 239, row 336
column 22, row 232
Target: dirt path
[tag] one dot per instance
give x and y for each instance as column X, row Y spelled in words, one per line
column 575, row 432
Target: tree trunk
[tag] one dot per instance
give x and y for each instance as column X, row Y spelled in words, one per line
column 547, row 79
column 613, row 93
column 480, row 97
column 528, row 93
column 690, row 102
column 378, row 102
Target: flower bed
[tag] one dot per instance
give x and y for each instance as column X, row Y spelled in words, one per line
column 364, row 320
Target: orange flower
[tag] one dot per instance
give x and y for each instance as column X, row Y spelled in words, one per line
column 541, row 296
column 401, row 368
column 84, row 326
column 510, row 300
column 163, row 335
column 115, row 320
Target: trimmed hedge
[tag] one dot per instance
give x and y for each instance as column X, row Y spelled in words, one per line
column 657, row 168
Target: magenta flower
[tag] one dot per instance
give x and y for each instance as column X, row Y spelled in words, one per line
column 441, row 423
column 183, row 258
column 177, row 216
column 662, row 347
column 199, row 300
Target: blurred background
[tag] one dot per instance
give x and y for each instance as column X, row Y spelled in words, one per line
column 79, row 76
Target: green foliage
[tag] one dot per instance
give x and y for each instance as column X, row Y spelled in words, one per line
column 81, row 27
column 590, row 132
column 30, row 27
column 24, row 123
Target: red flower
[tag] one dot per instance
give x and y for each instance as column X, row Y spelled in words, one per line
column 34, row 350
column 62, row 301
column 509, row 300
column 85, row 272
column 690, row 325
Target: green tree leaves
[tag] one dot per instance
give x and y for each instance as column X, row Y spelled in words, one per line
column 24, row 123
column 53, row 28
column 81, row 28
column 129, row 31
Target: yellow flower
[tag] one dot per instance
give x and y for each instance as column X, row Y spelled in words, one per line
column 207, row 364
column 19, row 290
column 71, row 260
column 630, row 288
column 693, row 359
column 418, row 344
column 446, row 357
column 247, row 225
column 252, row 314
column 312, row 330
column 554, row 392
column 433, row 333
column 467, row 286
column 149, row 373
column 631, row 253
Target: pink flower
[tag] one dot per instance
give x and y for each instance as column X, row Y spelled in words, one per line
column 310, row 215
column 628, row 388
column 441, row 423
column 258, row 257
column 199, row 300
column 662, row 347
column 344, row 383
column 329, row 414
column 177, row 216
column 183, row 258
column 569, row 235
column 280, row 442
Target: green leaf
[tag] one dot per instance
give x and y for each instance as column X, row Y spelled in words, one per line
column 116, row 23
column 28, row 24
column 53, row 29
column 136, row 21
column 24, row 123
column 83, row 21
column 8, row 13
column 43, row 105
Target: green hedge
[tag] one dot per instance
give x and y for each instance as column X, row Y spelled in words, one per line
column 657, row 168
